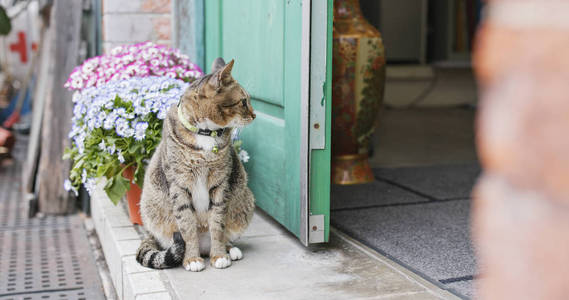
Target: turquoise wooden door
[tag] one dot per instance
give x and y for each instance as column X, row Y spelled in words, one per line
column 278, row 60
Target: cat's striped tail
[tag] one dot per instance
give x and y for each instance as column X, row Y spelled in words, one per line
column 149, row 254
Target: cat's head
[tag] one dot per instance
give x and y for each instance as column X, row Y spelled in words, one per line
column 217, row 100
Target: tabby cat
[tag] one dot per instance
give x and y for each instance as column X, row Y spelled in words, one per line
column 195, row 198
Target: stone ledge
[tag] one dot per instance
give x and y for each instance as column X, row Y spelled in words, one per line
column 119, row 241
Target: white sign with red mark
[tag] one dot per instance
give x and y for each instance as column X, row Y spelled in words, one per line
column 17, row 47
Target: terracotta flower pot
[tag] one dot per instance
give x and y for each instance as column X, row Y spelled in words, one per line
column 133, row 197
column 358, row 79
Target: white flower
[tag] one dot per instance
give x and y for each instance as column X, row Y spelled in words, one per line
column 122, row 127
column 79, row 143
column 162, row 112
column 77, row 83
column 111, row 149
column 110, row 121
column 68, row 187
column 90, row 185
column 84, row 176
column 128, row 132
column 243, row 156
column 121, row 158
column 102, row 145
column 76, row 97
column 117, row 50
column 140, row 130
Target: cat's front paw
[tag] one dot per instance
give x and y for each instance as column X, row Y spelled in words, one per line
column 221, row 261
column 235, row 253
column 194, row 264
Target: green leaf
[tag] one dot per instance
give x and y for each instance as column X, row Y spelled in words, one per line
column 68, row 153
column 116, row 188
column 102, row 170
column 139, row 173
column 133, row 148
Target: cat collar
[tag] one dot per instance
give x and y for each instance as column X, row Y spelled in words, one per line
column 200, row 131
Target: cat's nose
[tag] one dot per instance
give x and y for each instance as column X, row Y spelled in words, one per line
column 253, row 116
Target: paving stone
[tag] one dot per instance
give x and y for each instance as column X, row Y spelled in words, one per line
column 258, row 226
column 116, row 216
column 128, row 247
column 125, row 233
column 147, row 282
column 130, row 265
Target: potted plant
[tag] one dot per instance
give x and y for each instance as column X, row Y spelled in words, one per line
column 132, row 140
column 115, row 130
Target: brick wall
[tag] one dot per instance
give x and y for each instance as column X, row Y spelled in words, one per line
column 132, row 21
column 521, row 204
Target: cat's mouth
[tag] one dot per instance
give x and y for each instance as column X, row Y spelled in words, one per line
column 241, row 122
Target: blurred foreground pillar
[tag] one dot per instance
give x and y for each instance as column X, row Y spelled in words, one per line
column 521, row 206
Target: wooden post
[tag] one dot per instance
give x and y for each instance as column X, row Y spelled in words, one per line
column 66, row 22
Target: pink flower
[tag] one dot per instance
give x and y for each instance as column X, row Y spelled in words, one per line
column 138, row 60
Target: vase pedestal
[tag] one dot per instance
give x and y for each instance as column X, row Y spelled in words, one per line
column 351, row 169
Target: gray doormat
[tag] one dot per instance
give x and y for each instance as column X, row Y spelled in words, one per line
column 418, row 216
column 42, row 258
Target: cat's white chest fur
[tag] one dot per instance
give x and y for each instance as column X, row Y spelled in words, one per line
column 205, row 142
column 200, row 194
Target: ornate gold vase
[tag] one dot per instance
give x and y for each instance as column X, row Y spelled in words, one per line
column 358, row 80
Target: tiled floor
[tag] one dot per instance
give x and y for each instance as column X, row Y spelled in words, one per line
column 417, row 211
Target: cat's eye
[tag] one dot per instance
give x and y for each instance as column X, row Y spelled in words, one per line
column 232, row 104
column 244, row 101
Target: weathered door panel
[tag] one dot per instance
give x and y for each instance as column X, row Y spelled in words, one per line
column 265, row 37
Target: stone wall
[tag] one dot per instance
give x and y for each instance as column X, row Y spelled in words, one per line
column 132, row 21
column 521, row 204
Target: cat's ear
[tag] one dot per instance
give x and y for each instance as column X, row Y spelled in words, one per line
column 217, row 64
column 223, row 76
